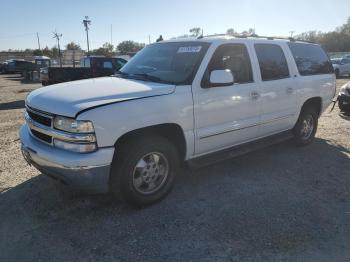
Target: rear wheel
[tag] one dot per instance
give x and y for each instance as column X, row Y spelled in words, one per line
column 143, row 171
column 306, row 127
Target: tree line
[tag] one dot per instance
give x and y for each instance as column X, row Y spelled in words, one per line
column 334, row 41
column 107, row 49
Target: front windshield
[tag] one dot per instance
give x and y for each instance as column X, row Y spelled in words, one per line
column 336, row 61
column 173, row 63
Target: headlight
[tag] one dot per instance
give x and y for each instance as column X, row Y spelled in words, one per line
column 73, row 126
column 345, row 89
column 75, row 147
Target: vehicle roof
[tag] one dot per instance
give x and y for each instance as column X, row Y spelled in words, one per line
column 42, row 57
column 228, row 38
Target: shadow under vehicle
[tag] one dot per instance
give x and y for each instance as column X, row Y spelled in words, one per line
column 90, row 67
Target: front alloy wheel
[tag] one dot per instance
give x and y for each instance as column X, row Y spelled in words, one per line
column 143, row 170
column 150, row 173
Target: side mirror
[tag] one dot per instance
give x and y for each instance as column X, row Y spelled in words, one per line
column 221, row 78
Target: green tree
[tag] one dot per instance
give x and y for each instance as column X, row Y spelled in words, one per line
column 231, row 32
column 105, row 50
column 37, row 52
column 55, row 52
column 129, row 46
column 47, row 52
column 73, row 46
column 195, row 31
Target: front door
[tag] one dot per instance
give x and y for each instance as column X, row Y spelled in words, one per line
column 226, row 115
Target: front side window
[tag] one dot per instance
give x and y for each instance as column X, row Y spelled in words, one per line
column 173, row 62
column 120, row 63
column 233, row 57
column 85, row 62
column 311, row 59
column 272, row 62
column 346, row 61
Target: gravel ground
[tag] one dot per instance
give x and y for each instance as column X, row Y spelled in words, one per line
column 281, row 203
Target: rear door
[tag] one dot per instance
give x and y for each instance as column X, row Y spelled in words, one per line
column 277, row 88
column 226, row 115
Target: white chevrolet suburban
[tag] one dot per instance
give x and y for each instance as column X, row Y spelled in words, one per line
column 195, row 101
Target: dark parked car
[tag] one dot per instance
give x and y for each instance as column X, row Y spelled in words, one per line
column 90, row 67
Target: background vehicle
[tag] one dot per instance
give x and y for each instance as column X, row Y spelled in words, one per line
column 341, row 66
column 90, row 67
column 12, row 66
column 200, row 101
column 344, row 98
column 2, row 66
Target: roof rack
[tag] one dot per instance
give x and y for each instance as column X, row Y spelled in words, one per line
column 260, row 37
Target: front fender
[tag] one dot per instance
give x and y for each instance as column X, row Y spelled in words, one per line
column 114, row 120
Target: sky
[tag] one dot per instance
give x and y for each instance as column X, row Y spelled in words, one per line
column 136, row 20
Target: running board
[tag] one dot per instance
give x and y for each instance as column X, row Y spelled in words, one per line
column 239, row 150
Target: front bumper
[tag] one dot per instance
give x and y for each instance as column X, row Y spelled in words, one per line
column 87, row 172
column 344, row 99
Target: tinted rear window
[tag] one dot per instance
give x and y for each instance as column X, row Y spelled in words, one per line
column 310, row 59
column 272, row 62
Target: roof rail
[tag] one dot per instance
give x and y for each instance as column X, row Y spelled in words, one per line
column 260, row 37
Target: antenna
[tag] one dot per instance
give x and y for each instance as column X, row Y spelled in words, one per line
column 58, row 36
column 86, row 23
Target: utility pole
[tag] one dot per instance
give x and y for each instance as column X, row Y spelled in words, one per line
column 86, row 23
column 37, row 35
column 111, row 34
column 58, row 36
column 149, row 39
column 291, row 33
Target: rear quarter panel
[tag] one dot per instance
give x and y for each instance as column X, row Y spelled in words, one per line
column 316, row 86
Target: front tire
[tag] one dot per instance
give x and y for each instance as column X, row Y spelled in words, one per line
column 143, row 170
column 306, row 127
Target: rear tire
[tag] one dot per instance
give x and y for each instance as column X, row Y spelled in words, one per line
column 306, row 127
column 143, row 170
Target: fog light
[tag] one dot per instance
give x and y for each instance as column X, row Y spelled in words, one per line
column 75, row 147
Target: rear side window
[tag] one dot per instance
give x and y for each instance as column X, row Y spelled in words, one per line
column 272, row 62
column 310, row 59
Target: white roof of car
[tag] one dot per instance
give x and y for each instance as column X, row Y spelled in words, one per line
column 224, row 38
column 42, row 57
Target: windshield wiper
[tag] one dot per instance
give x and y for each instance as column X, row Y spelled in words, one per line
column 149, row 77
column 142, row 76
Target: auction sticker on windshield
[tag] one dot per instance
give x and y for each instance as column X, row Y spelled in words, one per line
column 189, row 49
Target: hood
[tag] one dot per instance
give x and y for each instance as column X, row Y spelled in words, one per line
column 68, row 99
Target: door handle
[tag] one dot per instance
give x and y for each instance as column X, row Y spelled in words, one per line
column 254, row 95
column 290, row 90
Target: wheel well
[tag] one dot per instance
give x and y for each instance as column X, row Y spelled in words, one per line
column 315, row 102
column 173, row 132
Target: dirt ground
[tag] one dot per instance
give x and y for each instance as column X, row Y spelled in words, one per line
column 281, row 203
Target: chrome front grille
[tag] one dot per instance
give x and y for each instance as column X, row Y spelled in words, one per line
column 38, row 122
column 46, row 121
column 41, row 127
